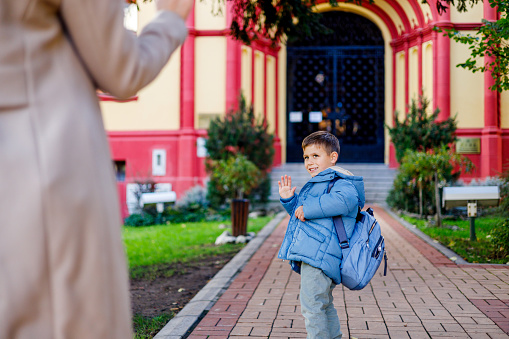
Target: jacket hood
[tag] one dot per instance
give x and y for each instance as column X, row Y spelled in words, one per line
column 357, row 181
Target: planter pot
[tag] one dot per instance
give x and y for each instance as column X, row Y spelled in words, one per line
column 240, row 211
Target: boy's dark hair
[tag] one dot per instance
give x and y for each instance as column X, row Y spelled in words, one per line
column 323, row 139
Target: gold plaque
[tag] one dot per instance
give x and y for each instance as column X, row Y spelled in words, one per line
column 468, row 145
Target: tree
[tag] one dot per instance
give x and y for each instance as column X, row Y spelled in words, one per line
column 420, row 130
column 277, row 20
column 240, row 132
column 489, row 41
column 433, row 166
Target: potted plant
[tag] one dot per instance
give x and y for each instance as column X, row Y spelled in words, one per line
column 236, row 176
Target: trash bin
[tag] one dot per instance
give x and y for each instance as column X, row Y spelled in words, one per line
column 240, row 211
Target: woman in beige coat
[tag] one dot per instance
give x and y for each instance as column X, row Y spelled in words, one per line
column 62, row 266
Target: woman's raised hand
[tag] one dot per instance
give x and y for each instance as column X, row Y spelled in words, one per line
column 285, row 187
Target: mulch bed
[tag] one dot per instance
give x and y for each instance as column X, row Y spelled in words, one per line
column 153, row 297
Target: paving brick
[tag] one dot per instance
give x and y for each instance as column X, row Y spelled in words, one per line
column 423, row 295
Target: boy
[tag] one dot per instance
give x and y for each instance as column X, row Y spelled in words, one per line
column 311, row 243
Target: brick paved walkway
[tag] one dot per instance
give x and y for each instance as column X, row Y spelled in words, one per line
column 424, row 295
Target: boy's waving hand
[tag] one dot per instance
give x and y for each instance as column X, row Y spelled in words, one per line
column 285, row 187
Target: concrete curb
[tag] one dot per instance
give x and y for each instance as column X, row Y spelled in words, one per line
column 180, row 326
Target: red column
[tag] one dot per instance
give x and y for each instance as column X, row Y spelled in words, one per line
column 491, row 140
column 277, row 140
column 187, row 160
column 442, row 100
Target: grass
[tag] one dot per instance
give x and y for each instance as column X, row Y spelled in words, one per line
column 150, row 246
column 147, row 327
column 455, row 234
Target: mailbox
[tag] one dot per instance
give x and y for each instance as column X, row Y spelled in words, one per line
column 460, row 196
column 471, row 197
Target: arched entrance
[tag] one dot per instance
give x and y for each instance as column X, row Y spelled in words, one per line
column 335, row 82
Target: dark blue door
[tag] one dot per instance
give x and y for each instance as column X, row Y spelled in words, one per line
column 337, row 84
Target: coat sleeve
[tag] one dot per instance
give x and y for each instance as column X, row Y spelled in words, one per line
column 289, row 204
column 342, row 200
column 120, row 62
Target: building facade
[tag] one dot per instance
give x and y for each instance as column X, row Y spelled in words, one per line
column 378, row 59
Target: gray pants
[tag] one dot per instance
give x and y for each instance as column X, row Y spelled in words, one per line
column 317, row 306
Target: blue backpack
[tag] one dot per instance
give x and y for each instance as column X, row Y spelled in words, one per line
column 363, row 254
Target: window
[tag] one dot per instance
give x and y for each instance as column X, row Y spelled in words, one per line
column 119, row 169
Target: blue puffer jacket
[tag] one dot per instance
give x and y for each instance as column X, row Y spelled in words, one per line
column 315, row 240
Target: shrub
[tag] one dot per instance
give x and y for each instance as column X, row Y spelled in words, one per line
column 419, row 131
column 139, row 220
column 500, row 239
column 234, row 177
column 240, row 132
column 504, row 192
column 418, row 177
column 193, row 206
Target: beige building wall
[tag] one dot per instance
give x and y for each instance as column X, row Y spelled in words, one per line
column 472, row 15
column 504, row 109
column 259, row 83
column 205, row 20
column 400, row 84
column 271, row 93
column 246, row 73
column 158, row 104
column 427, row 72
column 413, row 74
column 467, row 90
column 210, row 79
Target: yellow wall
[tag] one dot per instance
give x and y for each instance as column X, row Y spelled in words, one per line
column 158, row 104
column 246, row 60
column 413, row 74
column 204, row 19
column 400, row 84
column 467, row 91
column 504, row 109
column 473, row 14
column 409, row 11
column 282, row 100
column 210, row 79
column 259, row 84
column 271, row 93
column 427, row 71
column 426, row 11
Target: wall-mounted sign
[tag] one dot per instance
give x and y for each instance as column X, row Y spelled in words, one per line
column 296, row 116
column 315, row 116
column 468, row 145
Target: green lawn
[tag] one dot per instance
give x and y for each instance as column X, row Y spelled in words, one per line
column 150, row 247
column 455, row 234
column 165, row 244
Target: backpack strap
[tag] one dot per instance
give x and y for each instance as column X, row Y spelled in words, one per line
column 338, row 222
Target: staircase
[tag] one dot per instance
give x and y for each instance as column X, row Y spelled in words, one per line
column 378, row 179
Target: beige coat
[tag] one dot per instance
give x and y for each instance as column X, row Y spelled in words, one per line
column 62, row 264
